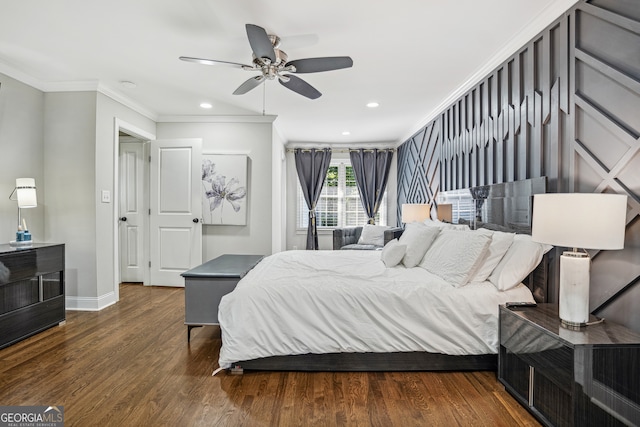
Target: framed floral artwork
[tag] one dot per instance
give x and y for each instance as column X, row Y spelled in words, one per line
column 224, row 189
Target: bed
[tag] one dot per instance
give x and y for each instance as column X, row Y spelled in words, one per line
column 354, row 311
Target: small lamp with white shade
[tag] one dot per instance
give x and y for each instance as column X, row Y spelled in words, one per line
column 25, row 195
column 578, row 220
column 445, row 212
column 415, row 212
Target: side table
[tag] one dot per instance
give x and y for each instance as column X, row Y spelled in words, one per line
column 567, row 377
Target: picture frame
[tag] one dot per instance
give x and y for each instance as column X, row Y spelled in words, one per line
column 224, row 189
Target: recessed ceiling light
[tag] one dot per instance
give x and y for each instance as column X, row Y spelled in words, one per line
column 206, row 105
column 127, row 84
column 346, row 132
column 373, row 105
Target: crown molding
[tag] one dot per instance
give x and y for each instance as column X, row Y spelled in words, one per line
column 20, row 76
column 118, row 97
column 218, row 119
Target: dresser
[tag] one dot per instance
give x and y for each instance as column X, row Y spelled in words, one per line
column 31, row 290
column 585, row 377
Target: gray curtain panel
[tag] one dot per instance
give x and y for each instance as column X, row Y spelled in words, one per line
column 312, row 166
column 371, row 168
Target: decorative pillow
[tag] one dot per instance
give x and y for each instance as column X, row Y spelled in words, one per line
column 372, row 235
column 521, row 259
column 434, row 223
column 455, row 256
column 446, row 225
column 500, row 243
column 458, row 227
column 495, row 227
column 392, row 253
column 417, row 237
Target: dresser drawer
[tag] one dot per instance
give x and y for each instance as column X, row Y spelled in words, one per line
column 539, row 349
column 21, row 264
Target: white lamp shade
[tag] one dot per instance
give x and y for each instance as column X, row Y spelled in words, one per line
column 26, row 192
column 580, row 220
column 415, row 212
column 445, row 212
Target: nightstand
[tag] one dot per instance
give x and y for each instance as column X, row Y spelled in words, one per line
column 586, row 377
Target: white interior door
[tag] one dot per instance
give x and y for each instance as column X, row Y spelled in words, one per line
column 175, row 210
column 131, row 212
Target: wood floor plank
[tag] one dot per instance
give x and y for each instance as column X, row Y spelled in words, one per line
column 130, row 365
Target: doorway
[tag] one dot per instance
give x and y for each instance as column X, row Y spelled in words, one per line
column 132, row 206
column 157, row 209
column 137, row 233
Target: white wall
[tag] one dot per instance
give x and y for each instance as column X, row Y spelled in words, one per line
column 69, row 165
column 106, row 146
column 298, row 238
column 236, row 135
column 21, row 154
column 279, row 188
column 80, row 144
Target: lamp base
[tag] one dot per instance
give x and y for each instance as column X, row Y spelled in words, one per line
column 574, row 326
column 21, row 244
column 574, row 289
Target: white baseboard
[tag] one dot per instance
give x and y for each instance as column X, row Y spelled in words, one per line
column 90, row 303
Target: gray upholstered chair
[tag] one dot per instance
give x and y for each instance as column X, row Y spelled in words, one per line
column 347, row 238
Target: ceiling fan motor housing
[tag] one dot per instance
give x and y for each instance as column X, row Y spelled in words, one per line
column 269, row 69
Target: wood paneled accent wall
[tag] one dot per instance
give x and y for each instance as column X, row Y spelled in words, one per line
column 565, row 106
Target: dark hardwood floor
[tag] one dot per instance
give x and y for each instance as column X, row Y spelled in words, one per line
column 130, row 365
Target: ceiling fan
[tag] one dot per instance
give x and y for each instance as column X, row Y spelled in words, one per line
column 271, row 62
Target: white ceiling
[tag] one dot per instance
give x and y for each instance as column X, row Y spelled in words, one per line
column 411, row 56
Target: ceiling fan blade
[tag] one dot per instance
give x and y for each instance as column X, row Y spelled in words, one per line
column 316, row 65
column 298, row 85
column 213, row 62
column 260, row 43
column 252, row 83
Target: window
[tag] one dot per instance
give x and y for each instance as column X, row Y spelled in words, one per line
column 339, row 205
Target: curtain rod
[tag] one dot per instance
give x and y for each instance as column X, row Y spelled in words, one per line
column 341, row 150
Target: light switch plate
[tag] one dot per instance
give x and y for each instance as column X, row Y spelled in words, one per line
column 106, row 196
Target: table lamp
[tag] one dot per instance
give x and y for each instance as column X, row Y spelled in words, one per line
column 415, row 212
column 578, row 220
column 445, row 212
column 25, row 195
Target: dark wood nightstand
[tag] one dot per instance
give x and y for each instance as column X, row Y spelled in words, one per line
column 586, row 377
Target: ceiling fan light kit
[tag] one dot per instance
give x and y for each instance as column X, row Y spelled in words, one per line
column 272, row 63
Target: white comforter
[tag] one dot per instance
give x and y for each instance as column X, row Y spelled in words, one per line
column 299, row 302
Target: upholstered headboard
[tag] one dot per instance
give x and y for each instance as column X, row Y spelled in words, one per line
column 504, row 207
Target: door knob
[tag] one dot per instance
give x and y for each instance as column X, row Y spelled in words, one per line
column 196, row 220
column 123, row 219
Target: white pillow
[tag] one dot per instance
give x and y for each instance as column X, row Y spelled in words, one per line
column 446, row 225
column 392, row 253
column 521, row 259
column 455, row 256
column 500, row 243
column 372, row 235
column 417, row 237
